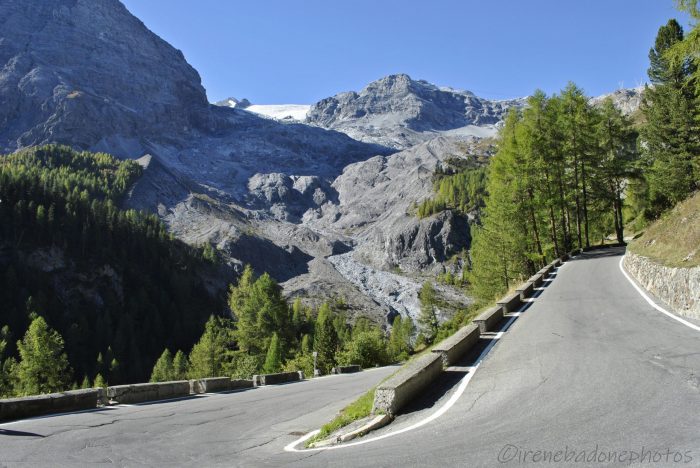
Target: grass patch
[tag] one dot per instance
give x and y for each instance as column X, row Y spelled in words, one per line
column 674, row 239
column 358, row 409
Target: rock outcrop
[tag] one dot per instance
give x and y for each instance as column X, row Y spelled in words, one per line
column 626, row 100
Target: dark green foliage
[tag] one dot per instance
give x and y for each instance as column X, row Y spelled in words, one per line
column 241, row 365
column 6, row 382
column 428, row 320
column 401, row 338
column 366, row 348
column 326, row 340
column 145, row 290
column 671, row 134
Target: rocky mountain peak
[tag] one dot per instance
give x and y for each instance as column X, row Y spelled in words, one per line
column 234, row 103
column 627, row 100
column 89, row 73
column 399, row 111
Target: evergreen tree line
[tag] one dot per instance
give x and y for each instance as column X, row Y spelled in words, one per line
column 463, row 190
column 143, row 288
column 567, row 174
column 268, row 335
column 670, row 135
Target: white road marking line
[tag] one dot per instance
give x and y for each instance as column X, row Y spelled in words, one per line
column 652, row 303
column 291, row 447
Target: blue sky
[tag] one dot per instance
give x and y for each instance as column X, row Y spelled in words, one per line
column 299, row 51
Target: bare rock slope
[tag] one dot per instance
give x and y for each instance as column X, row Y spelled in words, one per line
column 399, row 112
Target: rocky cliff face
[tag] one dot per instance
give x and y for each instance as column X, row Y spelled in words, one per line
column 399, row 112
column 89, row 73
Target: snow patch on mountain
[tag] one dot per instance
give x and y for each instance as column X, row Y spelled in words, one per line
column 296, row 112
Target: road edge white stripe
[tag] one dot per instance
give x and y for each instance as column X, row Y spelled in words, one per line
column 651, row 301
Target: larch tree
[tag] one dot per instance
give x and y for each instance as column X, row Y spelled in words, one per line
column 207, row 355
column 163, row 368
column 671, row 135
column 273, row 359
column 43, row 366
column 428, row 319
column 326, row 341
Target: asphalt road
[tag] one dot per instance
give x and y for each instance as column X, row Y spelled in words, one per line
column 243, row 428
column 588, row 369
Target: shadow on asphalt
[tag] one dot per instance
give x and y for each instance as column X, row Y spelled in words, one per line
column 454, row 374
column 600, row 253
column 7, row 432
column 447, row 380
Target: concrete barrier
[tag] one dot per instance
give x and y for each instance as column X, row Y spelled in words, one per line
column 555, row 263
column 489, row 319
column 40, row 405
column 399, row 390
column 139, row 393
column 537, row 279
column 237, row 384
column 525, row 290
column 510, row 303
column 211, row 384
column 282, row 377
column 346, row 369
column 457, row 345
column 218, row 384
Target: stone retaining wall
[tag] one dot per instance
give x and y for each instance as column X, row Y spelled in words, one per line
column 678, row 287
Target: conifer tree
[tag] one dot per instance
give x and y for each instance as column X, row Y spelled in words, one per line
column 671, row 135
column 5, row 380
column 43, row 366
column 207, row 356
column 618, row 147
column 306, row 346
column 326, row 342
column 273, row 359
column 179, row 366
column 499, row 246
column 399, row 347
column 86, row 383
column 99, row 382
column 428, row 319
column 163, row 369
